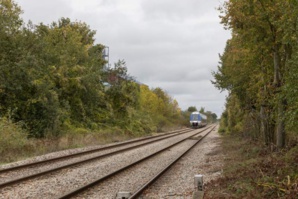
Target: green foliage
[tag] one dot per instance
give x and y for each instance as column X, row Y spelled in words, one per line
column 258, row 68
column 148, row 101
column 202, row 110
column 192, row 109
column 50, row 75
column 51, row 81
column 124, row 93
column 185, row 115
column 10, row 20
column 159, row 106
column 290, row 91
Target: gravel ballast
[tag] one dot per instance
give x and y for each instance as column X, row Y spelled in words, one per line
column 57, row 183
column 206, row 159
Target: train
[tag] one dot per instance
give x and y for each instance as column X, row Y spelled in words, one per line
column 197, row 120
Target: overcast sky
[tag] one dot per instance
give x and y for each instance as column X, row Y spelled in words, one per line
column 171, row 44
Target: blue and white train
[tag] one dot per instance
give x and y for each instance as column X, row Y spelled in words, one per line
column 197, row 119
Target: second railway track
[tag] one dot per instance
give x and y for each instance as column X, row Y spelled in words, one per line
column 39, row 168
column 88, row 151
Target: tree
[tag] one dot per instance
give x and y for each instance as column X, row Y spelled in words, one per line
column 202, row 110
column 192, row 109
column 149, row 101
column 10, row 36
column 124, row 92
column 214, row 117
column 254, row 63
column 74, row 66
column 50, row 75
column 51, row 80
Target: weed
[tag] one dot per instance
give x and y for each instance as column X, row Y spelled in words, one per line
column 252, row 171
column 15, row 144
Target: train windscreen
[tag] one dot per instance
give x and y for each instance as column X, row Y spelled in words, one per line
column 195, row 117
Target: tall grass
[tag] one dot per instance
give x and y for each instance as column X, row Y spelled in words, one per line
column 15, row 144
column 13, row 140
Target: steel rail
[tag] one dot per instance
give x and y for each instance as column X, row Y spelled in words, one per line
column 21, row 179
column 91, row 184
column 88, row 151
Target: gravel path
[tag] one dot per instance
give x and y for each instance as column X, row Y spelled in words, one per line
column 52, row 185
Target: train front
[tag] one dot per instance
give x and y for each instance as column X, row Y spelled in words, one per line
column 195, row 120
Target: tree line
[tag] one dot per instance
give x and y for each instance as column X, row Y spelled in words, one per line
column 52, row 80
column 259, row 69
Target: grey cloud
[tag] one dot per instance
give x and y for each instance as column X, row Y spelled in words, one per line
column 174, row 11
column 46, row 12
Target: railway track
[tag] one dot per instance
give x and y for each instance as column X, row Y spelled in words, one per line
column 35, row 171
column 195, row 139
column 20, row 185
column 11, row 168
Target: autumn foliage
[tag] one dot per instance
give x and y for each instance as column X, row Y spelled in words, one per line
column 259, row 69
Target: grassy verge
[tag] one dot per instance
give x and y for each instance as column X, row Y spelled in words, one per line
column 14, row 144
column 253, row 170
